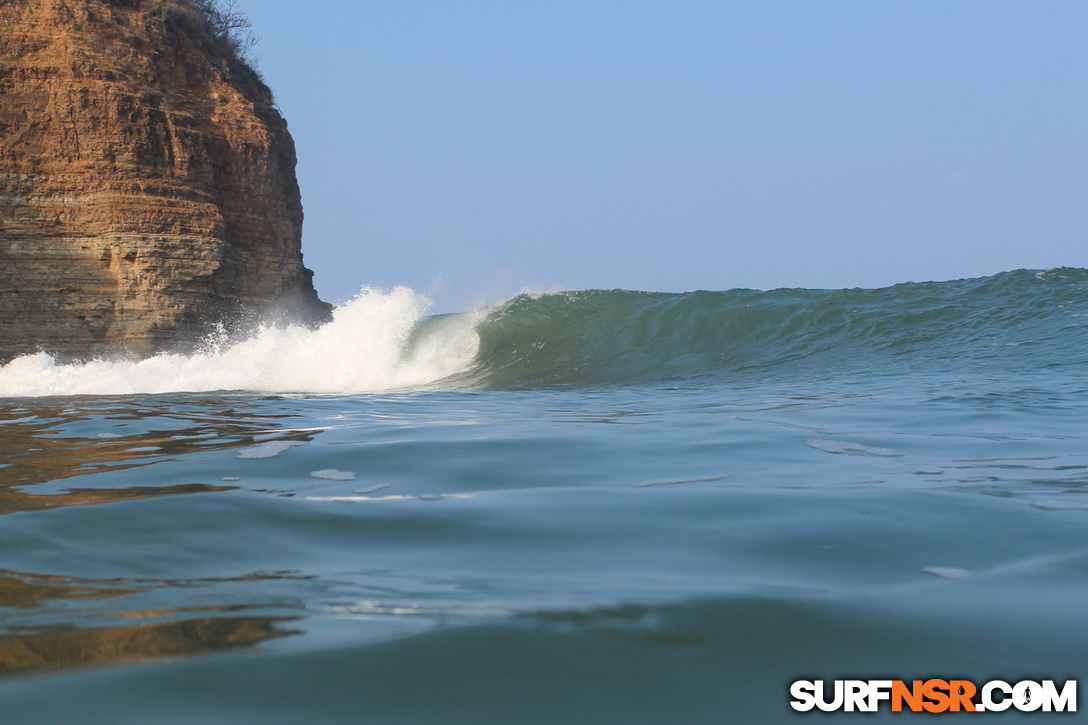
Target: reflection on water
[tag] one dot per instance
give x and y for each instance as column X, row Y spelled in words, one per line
column 13, row 501
column 55, row 650
column 43, row 447
column 667, row 540
column 46, row 443
column 18, row 589
column 29, row 645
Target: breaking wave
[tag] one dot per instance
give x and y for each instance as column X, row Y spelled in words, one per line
column 384, row 341
column 373, row 343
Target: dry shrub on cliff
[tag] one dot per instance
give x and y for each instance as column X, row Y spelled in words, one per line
column 228, row 23
column 223, row 29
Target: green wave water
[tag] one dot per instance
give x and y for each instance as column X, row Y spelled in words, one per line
column 617, row 337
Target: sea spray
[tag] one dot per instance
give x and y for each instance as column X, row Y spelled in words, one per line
column 371, row 344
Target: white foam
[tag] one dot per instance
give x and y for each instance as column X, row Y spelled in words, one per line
column 13, row 421
column 331, row 474
column 284, row 432
column 371, row 489
column 262, row 437
column 270, row 449
column 364, row 348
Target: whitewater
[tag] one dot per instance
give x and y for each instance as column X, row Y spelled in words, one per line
column 364, row 348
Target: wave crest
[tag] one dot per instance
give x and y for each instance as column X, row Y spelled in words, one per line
column 383, row 341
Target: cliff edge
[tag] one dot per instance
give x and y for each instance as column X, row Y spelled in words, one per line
column 147, row 182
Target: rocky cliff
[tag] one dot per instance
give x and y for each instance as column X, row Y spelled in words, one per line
column 147, row 183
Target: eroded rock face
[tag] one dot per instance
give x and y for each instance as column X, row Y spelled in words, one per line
column 147, row 183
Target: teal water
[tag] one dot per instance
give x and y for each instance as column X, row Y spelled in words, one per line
column 591, row 507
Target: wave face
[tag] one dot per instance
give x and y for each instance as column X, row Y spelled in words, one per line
column 602, row 338
column 386, row 341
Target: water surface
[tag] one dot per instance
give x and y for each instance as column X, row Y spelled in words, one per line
column 592, row 507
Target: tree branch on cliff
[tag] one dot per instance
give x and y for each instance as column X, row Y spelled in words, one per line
column 223, row 23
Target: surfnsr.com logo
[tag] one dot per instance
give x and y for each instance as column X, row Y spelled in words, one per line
column 934, row 696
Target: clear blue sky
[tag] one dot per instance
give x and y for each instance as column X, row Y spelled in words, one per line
column 472, row 149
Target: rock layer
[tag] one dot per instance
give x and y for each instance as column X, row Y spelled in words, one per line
column 147, row 183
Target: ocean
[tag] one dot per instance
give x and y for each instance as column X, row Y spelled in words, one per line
column 579, row 507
